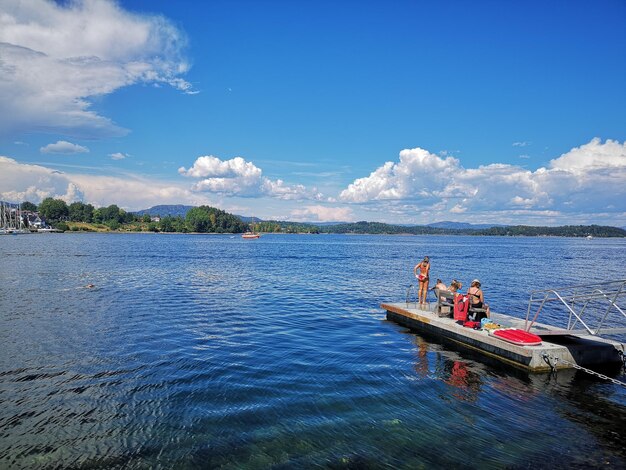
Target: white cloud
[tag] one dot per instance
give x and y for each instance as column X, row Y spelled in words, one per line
column 33, row 182
column 238, row 177
column 26, row 182
column 62, row 146
column 118, row 156
column 55, row 57
column 418, row 174
column 521, row 144
column 593, row 156
column 322, row 214
column 212, row 167
column 586, row 180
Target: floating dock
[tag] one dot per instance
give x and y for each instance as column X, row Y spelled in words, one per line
column 556, row 350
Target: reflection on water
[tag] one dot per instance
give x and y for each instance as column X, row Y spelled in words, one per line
column 207, row 351
column 454, row 372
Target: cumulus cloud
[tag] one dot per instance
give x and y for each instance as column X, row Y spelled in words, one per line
column 586, row 180
column 55, row 57
column 61, row 146
column 238, row 177
column 318, row 213
column 593, row 156
column 118, row 156
column 35, row 182
column 419, row 174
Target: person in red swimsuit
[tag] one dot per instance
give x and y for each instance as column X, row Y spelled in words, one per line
column 422, row 278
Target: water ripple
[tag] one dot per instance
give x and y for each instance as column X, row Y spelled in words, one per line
column 206, row 351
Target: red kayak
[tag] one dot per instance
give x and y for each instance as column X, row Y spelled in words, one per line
column 516, row 336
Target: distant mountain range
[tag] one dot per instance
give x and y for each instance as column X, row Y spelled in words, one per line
column 177, row 210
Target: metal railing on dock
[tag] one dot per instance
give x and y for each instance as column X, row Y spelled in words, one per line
column 589, row 309
column 410, row 290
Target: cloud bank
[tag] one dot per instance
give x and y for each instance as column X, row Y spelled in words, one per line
column 582, row 186
column 238, row 177
column 21, row 182
column 319, row 213
column 55, row 57
column 586, row 181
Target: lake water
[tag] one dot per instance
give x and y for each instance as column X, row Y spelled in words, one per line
column 204, row 351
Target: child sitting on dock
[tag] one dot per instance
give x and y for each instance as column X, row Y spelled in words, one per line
column 440, row 285
column 438, row 289
column 455, row 286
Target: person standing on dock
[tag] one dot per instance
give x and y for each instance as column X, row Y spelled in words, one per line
column 422, row 278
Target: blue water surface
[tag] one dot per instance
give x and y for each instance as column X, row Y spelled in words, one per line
column 207, row 351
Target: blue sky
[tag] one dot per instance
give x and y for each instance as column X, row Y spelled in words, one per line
column 408, row 112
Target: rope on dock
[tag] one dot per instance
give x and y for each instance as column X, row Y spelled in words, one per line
column 553, row 361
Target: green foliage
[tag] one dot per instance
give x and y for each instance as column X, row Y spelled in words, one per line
column 197, row 220
column 172, row 224
column 273, row 226
column 519, row 230
column 61, row 226
column 29, row 206
column 564, row 231
column 111, row 213
column 127, row 217
column 113, row 224
column 97, row 216
column 80, row 212
column 76, row 211
column 380, row 228
column 206, row 219
column 53, row 210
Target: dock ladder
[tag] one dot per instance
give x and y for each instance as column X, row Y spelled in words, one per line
column 411, row 290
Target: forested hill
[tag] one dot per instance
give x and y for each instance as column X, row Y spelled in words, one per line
column 175, row 210
column 378, row 227
column 390, row 229
column 206, row 219
column 563, row 231
column 513, row 230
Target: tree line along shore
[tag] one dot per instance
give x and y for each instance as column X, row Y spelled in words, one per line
column 77, row 217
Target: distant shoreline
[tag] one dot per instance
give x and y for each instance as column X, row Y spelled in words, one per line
column 131, row 232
